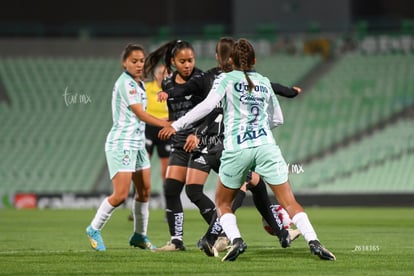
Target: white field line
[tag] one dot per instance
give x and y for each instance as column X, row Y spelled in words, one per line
column 12, row 252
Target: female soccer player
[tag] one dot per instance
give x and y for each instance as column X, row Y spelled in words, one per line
column 125, row 151
column 250, row 111
column 208, row 148
column 160, row 110
column 179, row 55
column 157, row 109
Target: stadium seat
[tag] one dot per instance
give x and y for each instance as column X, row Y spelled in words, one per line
column 379, row 163
column 54, row 146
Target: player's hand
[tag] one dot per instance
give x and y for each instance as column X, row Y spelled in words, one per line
column 191, row 143
column 162, row 96
column 166, row 132
column 298, row 89
column 166, row 123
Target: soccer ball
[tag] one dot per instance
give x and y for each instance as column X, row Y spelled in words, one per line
column 281, row 217
column 267, row 227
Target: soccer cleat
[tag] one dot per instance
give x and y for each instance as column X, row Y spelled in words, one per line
column 95, row 239
column 173, row 245
column 317, row 249
column 141, row 241
column 288, row 236
column 238, row 247
column 221, row 243
column 210, row 250
column 199, row 244
column 294, row 234
column 285, row 239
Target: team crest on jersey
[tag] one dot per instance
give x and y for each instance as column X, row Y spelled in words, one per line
column 132, row 92
column 126, row 160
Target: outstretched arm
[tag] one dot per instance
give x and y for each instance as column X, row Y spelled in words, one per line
column 197, row 113
column 148, row 118
column 286, row 91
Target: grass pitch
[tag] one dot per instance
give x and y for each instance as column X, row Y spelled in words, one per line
column 366, row 241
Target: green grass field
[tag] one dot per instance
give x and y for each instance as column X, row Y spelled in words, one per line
column 366, row 241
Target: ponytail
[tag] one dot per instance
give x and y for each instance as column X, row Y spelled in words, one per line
column 243, row 57
column 164, row 54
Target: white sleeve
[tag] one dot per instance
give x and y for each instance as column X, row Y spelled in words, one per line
column 198, row 112
column 275, row 113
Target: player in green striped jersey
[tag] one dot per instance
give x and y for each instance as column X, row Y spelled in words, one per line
column 125, row 151
column 251, row 110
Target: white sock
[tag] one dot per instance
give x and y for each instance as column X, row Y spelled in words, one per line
column 229, row 223
column 140, row 210
column 102, row 215
column 302, row 222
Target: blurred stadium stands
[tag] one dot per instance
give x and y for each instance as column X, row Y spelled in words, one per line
column 351, row 131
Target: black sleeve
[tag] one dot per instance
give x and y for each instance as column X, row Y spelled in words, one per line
column 166, row 84
column 284, row 91
column 208, row 125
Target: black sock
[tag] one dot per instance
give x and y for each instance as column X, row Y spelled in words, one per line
column 203, row 202
column 262, row 202
column 214, row 230
column 174, row 208
column 238, row 200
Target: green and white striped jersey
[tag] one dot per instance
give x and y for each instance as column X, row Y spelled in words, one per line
column 248, row 116
column 127, row 131
column 246, row 119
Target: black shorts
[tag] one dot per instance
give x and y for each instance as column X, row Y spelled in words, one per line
column 207, row 158
column 151, row 140
column 205, row 162
column 179, row 157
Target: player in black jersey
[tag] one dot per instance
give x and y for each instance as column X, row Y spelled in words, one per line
column 179, row 55
column 208, row 148
column 244, row 59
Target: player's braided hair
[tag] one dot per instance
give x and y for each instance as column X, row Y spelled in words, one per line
column 243, row 57
column 163, row 55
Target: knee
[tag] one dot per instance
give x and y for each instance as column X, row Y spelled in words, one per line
column 172, row 188
column 194, row 192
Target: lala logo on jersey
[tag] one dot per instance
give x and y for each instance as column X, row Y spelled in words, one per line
column 250, row 135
